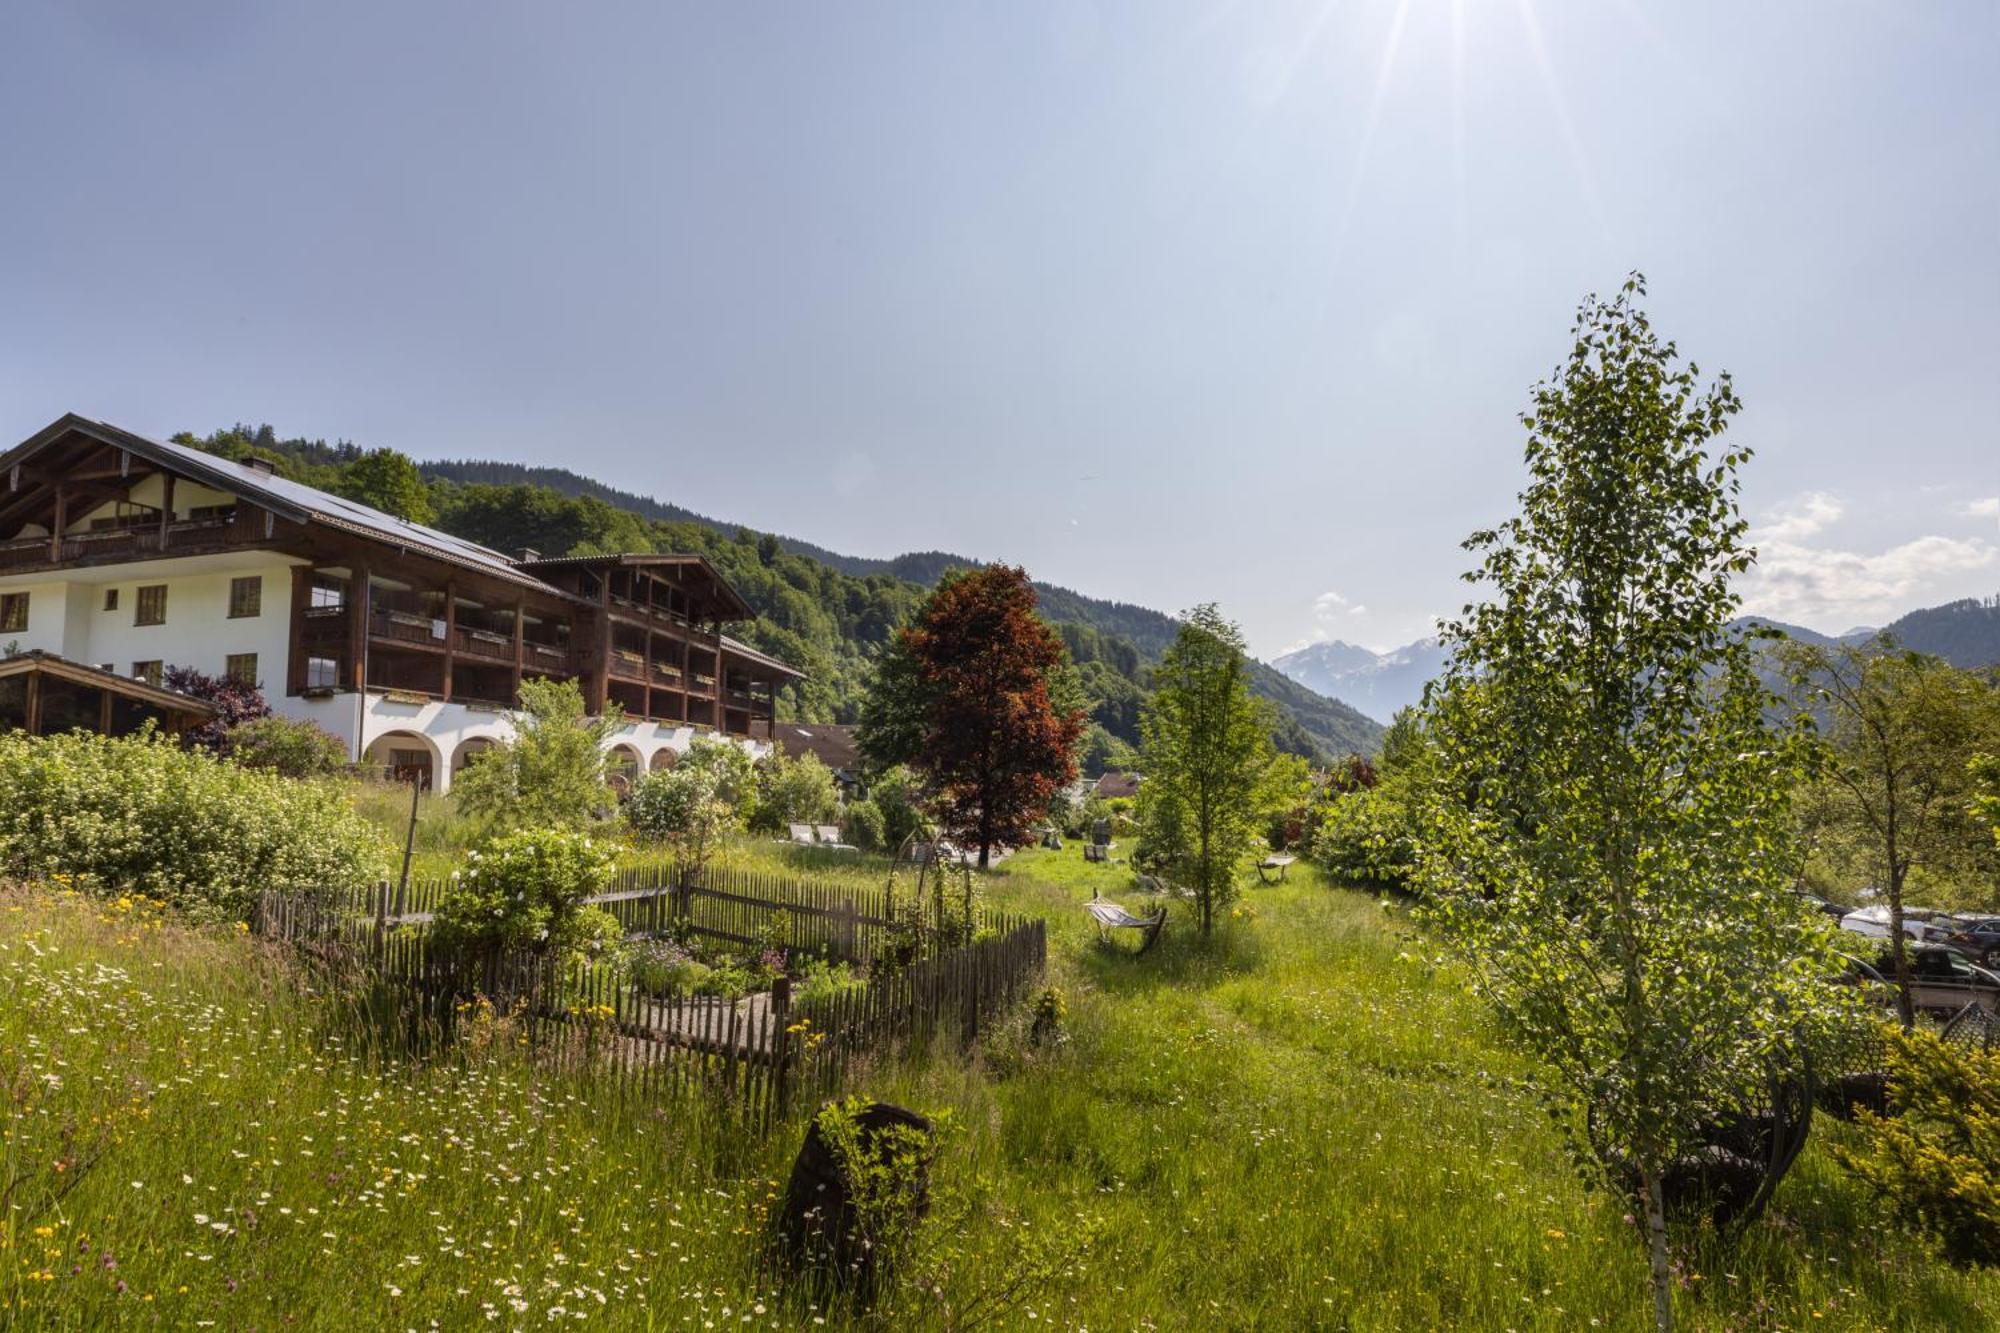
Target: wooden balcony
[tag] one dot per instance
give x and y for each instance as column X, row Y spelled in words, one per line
column 114, row 546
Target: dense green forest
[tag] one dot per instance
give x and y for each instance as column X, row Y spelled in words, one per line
column 828, row 614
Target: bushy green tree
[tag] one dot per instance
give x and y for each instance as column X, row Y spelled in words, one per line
column 734, row 770
column 144, row 815
column 1211, row 772
column 1901, row 732
column 794, row 790
column 898, row 794
column 861, row 824
column 552, row 772
column 1605, row 836
column 387, row 480
column 683, row 808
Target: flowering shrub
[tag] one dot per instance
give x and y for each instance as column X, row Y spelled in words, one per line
column 140, row 813
column 1366, row 837
column 1936, row 1157
column 525, row 890
column 685, row 808
column 293, row 748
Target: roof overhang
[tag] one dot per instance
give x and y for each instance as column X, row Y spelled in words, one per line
column 37, row 662
column 734, row 606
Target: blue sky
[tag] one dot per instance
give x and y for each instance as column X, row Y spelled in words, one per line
column 1170, row 302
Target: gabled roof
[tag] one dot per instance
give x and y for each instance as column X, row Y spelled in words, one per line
column 731, row 599
column 37, row 662
column 737, row 648
column 287, row 499
column 835, row 745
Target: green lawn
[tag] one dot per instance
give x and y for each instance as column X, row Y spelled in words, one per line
column 1295, row 1124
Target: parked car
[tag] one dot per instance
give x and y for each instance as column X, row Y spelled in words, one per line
column 1941, row 980
column 1874, row 922
column 1977, row 937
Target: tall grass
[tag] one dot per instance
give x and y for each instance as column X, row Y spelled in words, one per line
column 1294, row 1124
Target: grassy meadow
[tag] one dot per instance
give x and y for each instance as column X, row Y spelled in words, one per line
column 1296, row 1124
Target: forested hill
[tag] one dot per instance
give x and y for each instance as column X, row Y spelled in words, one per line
column 828, row 614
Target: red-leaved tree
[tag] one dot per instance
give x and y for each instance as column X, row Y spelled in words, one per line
column 974, row 696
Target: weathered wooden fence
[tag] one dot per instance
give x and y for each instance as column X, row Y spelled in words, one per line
column 761, row 1053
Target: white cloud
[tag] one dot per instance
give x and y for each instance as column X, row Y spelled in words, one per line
column 1806, row 516
column 1987, row 508
column 1832, row 589
column 1327, row 604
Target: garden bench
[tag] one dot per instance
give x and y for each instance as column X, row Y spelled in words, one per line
column 802, row 834
column 1278, row 863
column 829, row 836
column 1110, row 916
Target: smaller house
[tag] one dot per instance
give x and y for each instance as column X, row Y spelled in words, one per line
column 1114, row 785
column 833, row 744
column 46, row 695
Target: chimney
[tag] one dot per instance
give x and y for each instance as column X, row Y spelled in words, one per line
column 529, row 553
column 261, row 466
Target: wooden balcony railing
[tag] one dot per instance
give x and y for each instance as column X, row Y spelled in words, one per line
column 114, row 544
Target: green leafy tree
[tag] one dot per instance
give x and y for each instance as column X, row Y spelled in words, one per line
column 976, row 695
column 1901, row 732
column 734, row 769
column 387, row 480
column 795, row 790
column 1604, row 835
column 1211, row 770
column 1986, row 802
column 899, row 796
column 552, row 771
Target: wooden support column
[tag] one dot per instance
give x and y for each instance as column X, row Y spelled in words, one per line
column 646, row 666
column 520, row 642
column 34, row 715
column 166, row 507
column 295, row 663
column 61, row 522
column 720, row 728
column 600, row 679
column 450, row 633
column 104, row 712
column 357, row 627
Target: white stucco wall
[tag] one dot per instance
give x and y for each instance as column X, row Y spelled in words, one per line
column 67, row 616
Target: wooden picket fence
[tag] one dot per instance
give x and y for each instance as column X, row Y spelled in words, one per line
column 760, row 1054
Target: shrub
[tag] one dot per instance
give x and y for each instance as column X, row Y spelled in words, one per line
column 140, row 813
column 525, row 890
column 683, row 808
column 899, row 797
column 291, row 748
column 234, row 703
column 862, row 824
column 822, row 981
column 665, row 969
column 1935, row 1158
column 1366, row 837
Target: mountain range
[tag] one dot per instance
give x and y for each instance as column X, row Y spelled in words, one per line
column 1965, row 633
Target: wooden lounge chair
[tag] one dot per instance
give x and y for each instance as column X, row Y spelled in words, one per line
column 802, row 834
column 1110, row 916
column 829, row 837
column 1278, row 863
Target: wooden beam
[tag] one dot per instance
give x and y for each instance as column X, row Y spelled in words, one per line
column 166, row 509
column 104, row 712
column 61, row 522
column 33, row 721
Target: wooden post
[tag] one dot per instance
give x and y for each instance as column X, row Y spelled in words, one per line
column 104, row 712
column 295, row 666
column 357, row 627
column 520, row 644
column 450, row 632
column 34, row 717
column 166, row 507
column 781, row 1046
column 61, row 522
